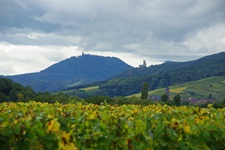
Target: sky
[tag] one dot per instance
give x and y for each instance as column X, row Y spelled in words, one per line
column 36, row 34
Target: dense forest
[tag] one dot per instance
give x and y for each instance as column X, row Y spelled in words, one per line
column 15, row 92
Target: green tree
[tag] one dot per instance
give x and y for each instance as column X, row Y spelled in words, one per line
column 13, row 95
column 3, row 97
column 210, row 96
column 98, row 99
column 164, row 98
column 177, row 100
column 144, row 91
column 20, row 97
column 6, row 85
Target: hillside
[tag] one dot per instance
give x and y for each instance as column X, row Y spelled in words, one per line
column 158, row 76
column 72, row 71
column 204, row 64
column 197, row 89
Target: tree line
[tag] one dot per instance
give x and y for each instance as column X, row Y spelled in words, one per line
column 14, row 92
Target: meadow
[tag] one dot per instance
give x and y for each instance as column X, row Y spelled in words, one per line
column 200, row 89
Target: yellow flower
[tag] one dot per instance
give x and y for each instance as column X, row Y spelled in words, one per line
column 53, row 125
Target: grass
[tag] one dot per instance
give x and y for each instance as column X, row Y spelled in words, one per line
column 178, row 90
column 90, row 88
column 198, row 89
column 154, row 92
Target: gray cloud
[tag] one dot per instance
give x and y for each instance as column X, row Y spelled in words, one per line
column 157, row 30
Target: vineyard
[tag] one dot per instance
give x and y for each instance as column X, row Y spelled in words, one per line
column 36, row 125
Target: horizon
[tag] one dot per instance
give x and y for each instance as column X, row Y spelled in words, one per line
column 82, row 54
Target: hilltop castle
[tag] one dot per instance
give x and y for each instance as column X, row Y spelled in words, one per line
column 144, row 65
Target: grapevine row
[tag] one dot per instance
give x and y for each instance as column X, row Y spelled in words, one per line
column 36, row 125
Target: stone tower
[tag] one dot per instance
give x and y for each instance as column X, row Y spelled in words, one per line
column 144, row 65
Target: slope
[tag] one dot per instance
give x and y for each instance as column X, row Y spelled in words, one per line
column 197, row 89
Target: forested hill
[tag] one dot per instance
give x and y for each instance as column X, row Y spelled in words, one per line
column 73, row 71
column 89, row 66
column 168, row 73
column 204, row 64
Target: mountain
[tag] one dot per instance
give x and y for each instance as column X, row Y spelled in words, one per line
column 158, row 76
column 73, row 71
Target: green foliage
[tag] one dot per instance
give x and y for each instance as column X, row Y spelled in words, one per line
column 144, row 91
column 164, row 98
column 177, row 100
column 6, row 86
column 219, row 104
column 185, row 103
column 210, row 96
column 98, row 99
column 11, row 91
column 130, row 100
column 17, row 92
column 36, row 125
column 52, row 98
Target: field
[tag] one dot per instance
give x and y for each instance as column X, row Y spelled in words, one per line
column 198, row 89
column 36, row 125
column 90, row 88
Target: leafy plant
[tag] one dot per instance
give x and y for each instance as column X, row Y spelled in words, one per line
column 36, row 125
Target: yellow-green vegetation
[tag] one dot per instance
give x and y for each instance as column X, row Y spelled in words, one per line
column 197, row 89
column 153, row 92
column 90, row 88
column 36, row 125
column 178, row 90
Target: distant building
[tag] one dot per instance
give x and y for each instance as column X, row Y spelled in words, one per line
column 144, row 65
column 194, row 101
column 155, row 97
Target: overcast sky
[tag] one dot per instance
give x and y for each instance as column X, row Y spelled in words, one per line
column 37, row 33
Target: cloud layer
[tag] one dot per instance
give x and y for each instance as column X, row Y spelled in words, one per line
column 155, row 30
